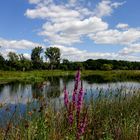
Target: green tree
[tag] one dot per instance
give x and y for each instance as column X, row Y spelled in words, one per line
column 2, row 62
column 13, row 57
column 36, row 58
column 13, row 62
column 107, row 67
column 53, row 54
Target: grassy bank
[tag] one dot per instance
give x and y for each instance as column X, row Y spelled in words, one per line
column 39, row 76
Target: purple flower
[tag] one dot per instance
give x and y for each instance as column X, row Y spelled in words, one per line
column 77, row 80
column 81, row 126
column 70, row 115
column 80, row 99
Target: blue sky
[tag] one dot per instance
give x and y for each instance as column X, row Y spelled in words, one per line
column 82, row 29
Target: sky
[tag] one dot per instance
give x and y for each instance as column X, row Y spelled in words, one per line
column 82, row 29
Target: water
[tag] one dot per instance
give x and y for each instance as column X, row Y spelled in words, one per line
column 19, row 93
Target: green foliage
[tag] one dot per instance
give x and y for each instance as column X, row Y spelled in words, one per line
column 53, row 54
column 36, row 58
column 107, row 67
column 13, row 57
column 2, row 62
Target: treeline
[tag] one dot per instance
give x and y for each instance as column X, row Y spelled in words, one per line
column 51, row 59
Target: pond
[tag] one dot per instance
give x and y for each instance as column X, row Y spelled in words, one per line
column 21, row 94
column 53, row 89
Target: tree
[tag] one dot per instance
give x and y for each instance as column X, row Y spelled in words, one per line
column 13, row 57
column 107, row 67
column 53, row 54
column 2, row 61
column 36, row 58
column 13, row 62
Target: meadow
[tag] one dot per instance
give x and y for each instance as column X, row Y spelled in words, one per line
column 40, row 76
column 112, row 115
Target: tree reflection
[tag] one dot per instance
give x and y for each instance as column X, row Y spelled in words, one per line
column 1, row 88
column 53, row 90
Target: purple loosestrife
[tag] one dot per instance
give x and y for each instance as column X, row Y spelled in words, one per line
column 79, row 102
column 74, row 107
column 77, row 80
column 81, row 127
column 70, row 115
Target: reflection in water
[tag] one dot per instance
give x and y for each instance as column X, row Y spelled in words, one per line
column 53, row 89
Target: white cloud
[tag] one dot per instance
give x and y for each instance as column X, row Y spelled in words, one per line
column 74, row 54
column 71, row 53
column 67, row 24
column 71, row 32
column 17, row 44
column 122, row 26
column 133, row 48
column 52, row 11
column 106, row 7
column 117, row 37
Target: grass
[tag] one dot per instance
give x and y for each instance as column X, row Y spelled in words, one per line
column 39, row 76
column 111, row 116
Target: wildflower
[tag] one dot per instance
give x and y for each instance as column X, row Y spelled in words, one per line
column 81, row 126
column 70, row 116
column 75, row 106
column 79, row 102
column 77, row 79
column 74, row 100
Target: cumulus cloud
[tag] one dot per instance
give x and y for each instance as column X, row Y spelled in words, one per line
column 106, row 7
column 67, row 24
column 133, row 48
column 117, row 37
column 17, row 44
column 122, row 26
column 72, row 54
column 70, row 32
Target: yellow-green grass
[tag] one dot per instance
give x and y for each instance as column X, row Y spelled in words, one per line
column 39, row 76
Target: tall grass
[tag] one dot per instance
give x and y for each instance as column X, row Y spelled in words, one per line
column 109, row 116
